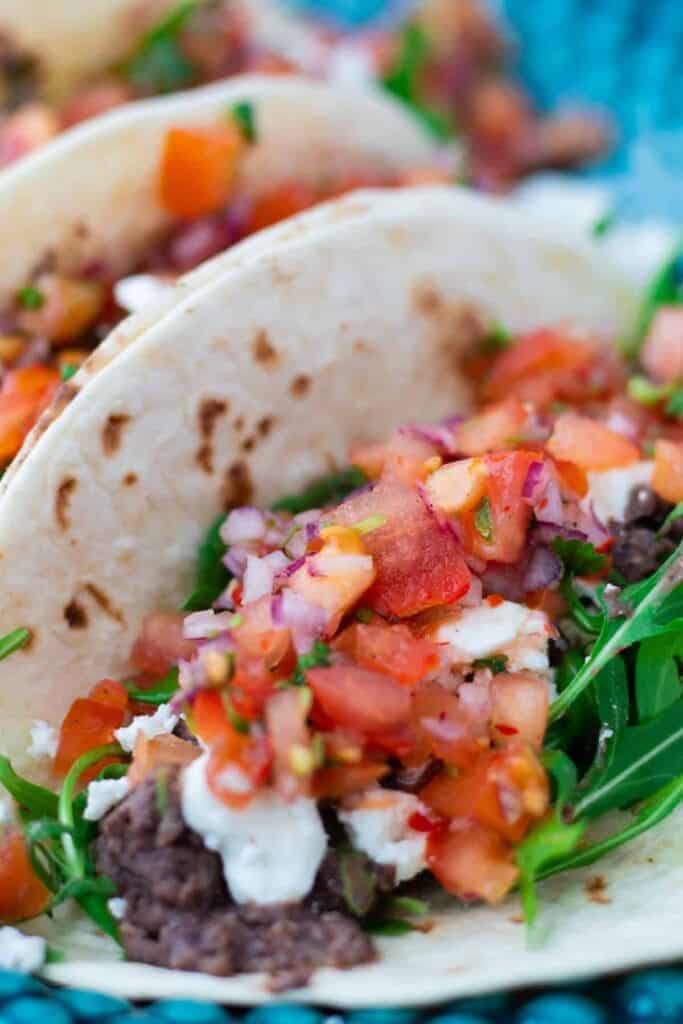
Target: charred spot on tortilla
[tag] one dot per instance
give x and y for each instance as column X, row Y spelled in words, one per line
column 300, row 386
column 596, row 889
column 263, row 351
column 82, row 230
column 248, row 444
column 62, row 500
column 265, row 425
column 210, row 411
column 426, row 299
column 360, row 347
column 130, row 479
column 64, row 394
column 75, row 615
column 103, row 602
column 112, row 431
column 238, row 488
column 239, row 423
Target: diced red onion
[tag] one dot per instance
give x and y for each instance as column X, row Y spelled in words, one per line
column 199, row 625
column 542, row 492
column 243, row 525
column 506, row 580
column 235, row 561
column 35, row 352
column 306, row 622
column 532, row 479
column 258, row 579
column 595, row 530
column 544, row 569
column 289, row 570
column 474, row 595
column 440, row 435
column 547, row 532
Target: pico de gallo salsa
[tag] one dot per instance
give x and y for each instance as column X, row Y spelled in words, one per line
column 444, row 661
column 449, row 63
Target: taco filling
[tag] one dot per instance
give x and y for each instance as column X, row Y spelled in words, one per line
column 442, row 663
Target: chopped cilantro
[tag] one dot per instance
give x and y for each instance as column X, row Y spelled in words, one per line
column 67, row 371
column 497, row 663
column 238, row 723
column 674, row 407
column 243, row 114
column 30, row 297
column 159, row 63
column 12, row 641
column 483, row 518
column 602, row 225
column 404, row 79
column 579, row 556
column 318, row 657
column 498, row 339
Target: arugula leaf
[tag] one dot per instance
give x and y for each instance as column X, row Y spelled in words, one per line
column 675, row 513
column 579, row 556
column 212, row 576
column 403, row 80
column 160, row 693
column 645, row 757
column 562, row 771
column 318, row 657
column 550, row 840
column 657, row 678
column 649, row 814
column 159, row 64
column 11, row 642
column 328, row 490
column 664, row 289
column 656, row 606
column 407, row 905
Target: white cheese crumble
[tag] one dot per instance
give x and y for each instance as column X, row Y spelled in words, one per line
column 19, row 952
column 377, row 823
column 103, row 794
column 164, row 720
column 117, row 907
column 609, row 491
column 271, row 850
column 140, row 290
column 43, row 740
column 508, row 628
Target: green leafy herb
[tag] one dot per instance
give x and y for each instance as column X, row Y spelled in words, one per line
column 674, row 407
column 318, row 657
column 664, row 289
column 212, row 576
column 552, row 839
column 579, row 556
column 328, row 490
column 35, row 801
column 642, row 390
column 563, row 773
column 30, row 297
column 243, row 114
column 675, row 513
column 655, row 606
column 159, row 65
column 160, row 693
column 67, row 371
column 406, row 905
column 497, row 340
column 497, row 663
column 404, row 79
column 483, row 518
column 657, row 676
column 11, row 642
column 602, row 225
column 389, row 927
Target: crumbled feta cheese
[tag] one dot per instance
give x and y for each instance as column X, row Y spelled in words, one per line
column 271, row 850
column 140, row 290
column 43, row 740
column 377, row 823
column 19, row 952
column 117, row 907
column 164, row 720
column 508, row 628
column 103, row 794
column 610, row 490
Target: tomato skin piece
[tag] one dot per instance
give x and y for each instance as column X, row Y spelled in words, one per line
column 419, row 564
column 392, row 650
column 198, row 169
column 109, row 691
column 505, row 790
column 359, row 700
column 22, row 894
column 494, row 427
column 591, row 445
column 159, row 752
column 160, row 644
column 25, row 393
column 287, row 730
column 510, row 515
column 541, row 366
column 336, row 781
column 442, row 727
column 667, row 477
column 88, row 724
column 283, row 201
column 209, row 717
column 471, row 861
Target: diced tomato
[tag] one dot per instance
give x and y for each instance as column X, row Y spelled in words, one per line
column 519, row 702
column 88, row 724
column 258, row 637
column 419, row 564
column 495, row 427
column 500, row 536
column 337, row 576
column 590, row 444
column 392, row 650
column 95, row 100
column 70, row 305
column 22, row 894
column 238, row 767
column 283, row 201
column 359, row 700
column 402, row 458
column 549, row 601
column 337, row 781
column 457, row 486
column 251, row 686
column 109, row 691
column 29, row 127
column 209, row 716
column 159, row 752
column 160, row 644
column 471, row 861
column 443, row 726
column 540, row 367
column 199, row 167
column 667, row 477
column 25, row 393
column 290, row 743
column 572, row 479
column 505, row 790
column 662, row 353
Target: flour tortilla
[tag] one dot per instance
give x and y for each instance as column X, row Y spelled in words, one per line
column 345, row 328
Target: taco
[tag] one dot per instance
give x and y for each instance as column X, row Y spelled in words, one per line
column 449, row 62
column 356, row 697
column 187, row 177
